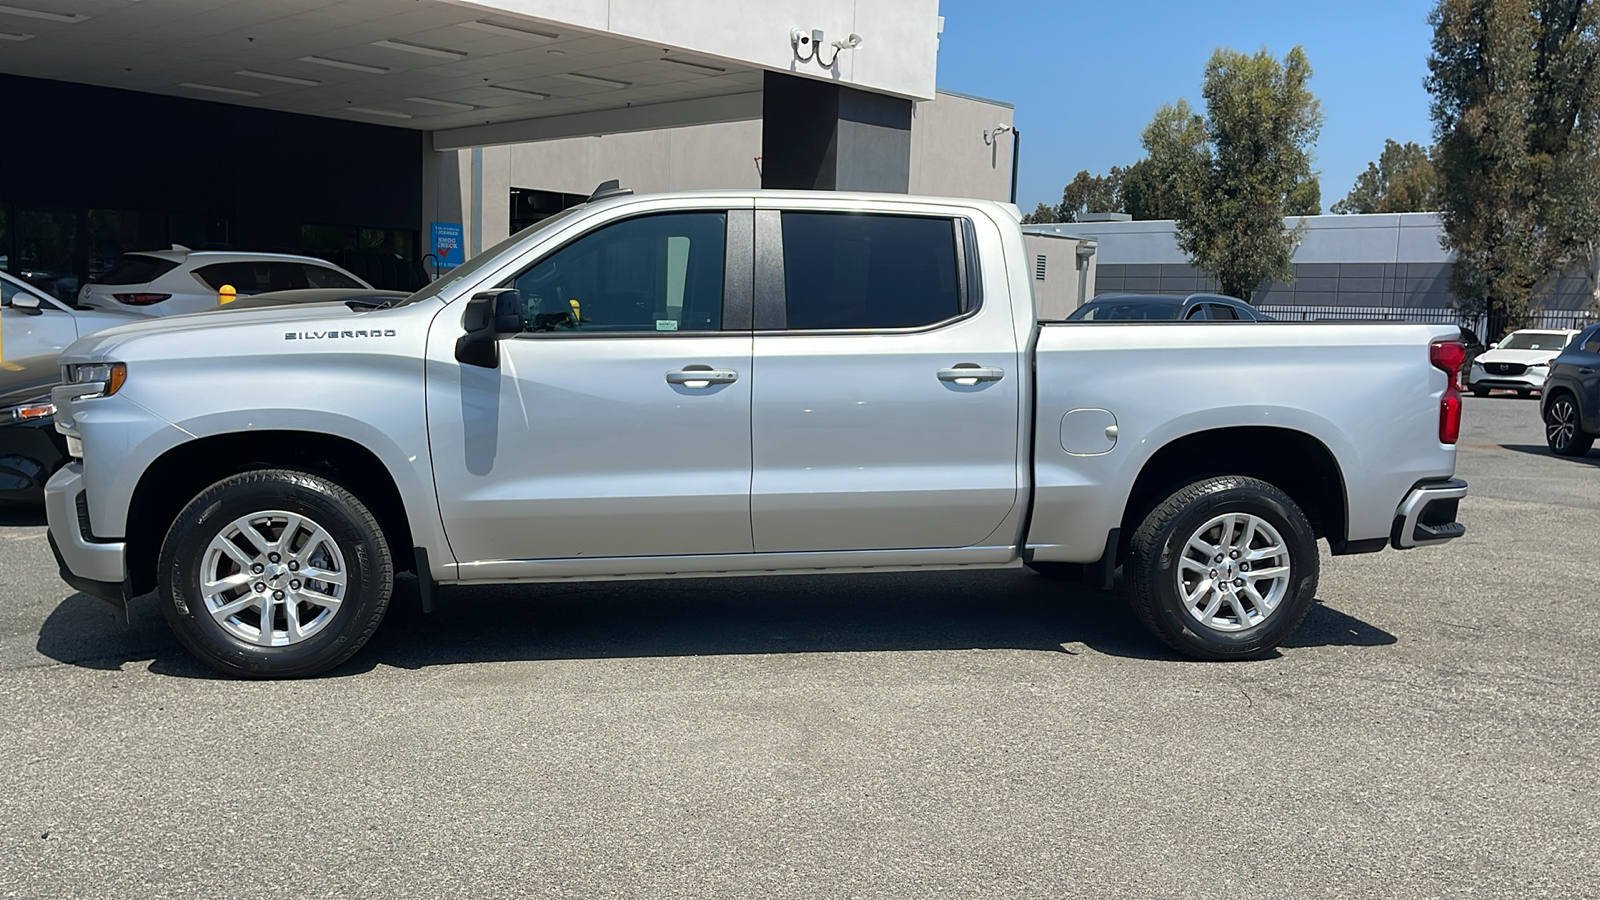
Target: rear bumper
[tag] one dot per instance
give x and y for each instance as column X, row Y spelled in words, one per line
column 94, row 566
column 1428, row 515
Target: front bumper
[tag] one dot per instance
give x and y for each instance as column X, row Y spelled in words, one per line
column 1428, row 515
column 92, row 565
column 1524, row 382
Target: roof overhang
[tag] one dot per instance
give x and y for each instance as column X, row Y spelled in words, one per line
column 497, row 71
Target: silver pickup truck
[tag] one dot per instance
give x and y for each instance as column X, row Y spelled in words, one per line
column 737, row 383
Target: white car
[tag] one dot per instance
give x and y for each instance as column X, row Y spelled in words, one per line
column 1520, row 362
column 35, row 327
column 180, row 280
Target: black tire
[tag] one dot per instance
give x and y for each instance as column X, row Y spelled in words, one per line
column 368, row 571
column 1563, row 409
column 1479, row 391
column 1152, row 567
column 1524, row 394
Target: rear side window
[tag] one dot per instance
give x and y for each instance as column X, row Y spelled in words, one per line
column 254, row 277
column 1223, row 311
column 848, row 270
column 324, row 277
column 135, row 270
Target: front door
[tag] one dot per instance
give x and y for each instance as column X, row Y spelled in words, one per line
column 887, row 390
column 618, row 423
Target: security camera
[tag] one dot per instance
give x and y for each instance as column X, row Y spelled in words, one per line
column 849, row 43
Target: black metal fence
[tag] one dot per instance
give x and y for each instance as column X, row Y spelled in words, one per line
column 1539, row 318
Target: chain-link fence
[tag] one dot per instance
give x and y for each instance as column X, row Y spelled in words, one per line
column 1539, row 318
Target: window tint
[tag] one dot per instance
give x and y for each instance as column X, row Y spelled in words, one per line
column 324, row 277
column 135, row 270
column 254, row 277
column 650, row 274
column 1223, row 311
column 1113, row 311
column 868, row 271
column 1198, row 311
column 1591, row 341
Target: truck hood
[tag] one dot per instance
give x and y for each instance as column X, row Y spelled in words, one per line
column 1523, row 357
column 112, row 342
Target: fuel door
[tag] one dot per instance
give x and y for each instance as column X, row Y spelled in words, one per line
column 1088, row 432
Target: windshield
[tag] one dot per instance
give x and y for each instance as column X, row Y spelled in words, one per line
column 1534, row 340
column 1102, row 312
column 472, row 266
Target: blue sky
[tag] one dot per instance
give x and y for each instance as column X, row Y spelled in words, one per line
column 1087, row 77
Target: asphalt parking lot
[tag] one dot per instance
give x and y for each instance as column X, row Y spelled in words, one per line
column 1430, row 731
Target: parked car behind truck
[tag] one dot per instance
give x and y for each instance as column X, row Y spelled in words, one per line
column 737, row 383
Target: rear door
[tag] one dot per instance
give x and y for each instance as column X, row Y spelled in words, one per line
column 885, row 411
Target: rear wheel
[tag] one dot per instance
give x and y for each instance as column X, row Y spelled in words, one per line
column 1224, row 568
column 1563, row 428
column 275, row 574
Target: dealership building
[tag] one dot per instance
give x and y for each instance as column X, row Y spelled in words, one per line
column 419, row 131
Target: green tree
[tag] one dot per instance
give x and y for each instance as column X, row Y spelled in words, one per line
column 1514, row 85
column 1261, row 123
column 1042, row 215
column 1092, row 194
column 1402, row 180
column 1165, row 183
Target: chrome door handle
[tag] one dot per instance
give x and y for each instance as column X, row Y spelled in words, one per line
column 970, row 374
column 701, row 376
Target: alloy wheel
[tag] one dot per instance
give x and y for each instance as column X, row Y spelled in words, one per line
column 1234, row 572
column 273, row 578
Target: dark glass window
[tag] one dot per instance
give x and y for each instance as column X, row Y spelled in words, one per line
column 135, row 270
column 1223, row 311
column 324, row 277
column 844, row 270
column 1198, row 311
column 253, row 277
column 650, row 274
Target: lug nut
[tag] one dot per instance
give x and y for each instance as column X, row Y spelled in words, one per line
column 294, row 566
column 277, row 595
column 1219, row 557
column 294, row 585
column 273, row 557
column 1233, row 554
column 1238, row 582
column 1244, row 567
column 260, row 587
column 258, row 568
column 1213, row 573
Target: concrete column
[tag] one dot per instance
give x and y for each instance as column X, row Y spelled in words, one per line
column 816, row 135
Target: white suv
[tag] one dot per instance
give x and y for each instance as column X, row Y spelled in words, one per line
column 180, row 280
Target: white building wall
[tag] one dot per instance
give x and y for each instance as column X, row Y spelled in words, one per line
column 900, row 38
column 948, row 157
column 1055, row 295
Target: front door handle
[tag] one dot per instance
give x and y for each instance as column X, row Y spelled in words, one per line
column 1585, row 371
column 970, row 373
column 699, row 377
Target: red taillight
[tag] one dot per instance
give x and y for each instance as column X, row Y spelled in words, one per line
column 140, row 299
column 1448, row 356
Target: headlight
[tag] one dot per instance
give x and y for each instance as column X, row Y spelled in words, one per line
column 112, row 375
column 1476, row 364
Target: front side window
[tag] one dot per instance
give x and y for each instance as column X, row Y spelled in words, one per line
column 253, row 276
column 324, row 277
column 849, row 270
column 653, row 274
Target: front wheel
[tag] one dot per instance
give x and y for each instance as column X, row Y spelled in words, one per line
column 1563, row 428
column 275, row 574
column 1224, row 568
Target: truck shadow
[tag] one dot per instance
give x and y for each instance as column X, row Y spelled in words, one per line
column 1000, row 610
column 1543, row 450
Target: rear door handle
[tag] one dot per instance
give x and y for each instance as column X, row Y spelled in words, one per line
column 971, row 373
column 699, row 377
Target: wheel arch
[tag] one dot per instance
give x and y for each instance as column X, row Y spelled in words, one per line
column 182, row 472
column 1296, row 462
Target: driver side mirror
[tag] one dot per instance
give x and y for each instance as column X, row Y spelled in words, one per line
column 489, row 317
column 27, row 304
column 1494, row 345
